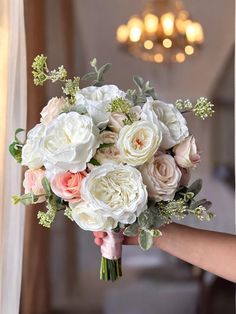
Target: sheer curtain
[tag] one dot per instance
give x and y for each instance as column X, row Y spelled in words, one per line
column 12, row 116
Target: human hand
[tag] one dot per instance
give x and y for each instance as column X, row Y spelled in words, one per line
column 99, row 236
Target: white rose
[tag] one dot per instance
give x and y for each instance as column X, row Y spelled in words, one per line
column 162, row 177
column 53, row 109
column 173, row 124
column 117, row 190
column 32, row 156
column 96, row 99
column 186, row 153
column 91, row 219
column 70, row 142
column 139, row 142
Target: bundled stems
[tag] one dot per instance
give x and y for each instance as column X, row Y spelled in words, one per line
column 110, row 269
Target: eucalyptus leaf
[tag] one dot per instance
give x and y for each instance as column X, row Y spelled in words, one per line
column 132, row 230
column 145, row 240
column 204, row 202
column 89, row 76
column 102, row 70
column 19, row 130
column 195, row 187
column 46, row 186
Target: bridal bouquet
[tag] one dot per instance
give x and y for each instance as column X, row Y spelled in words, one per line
column 113, row 161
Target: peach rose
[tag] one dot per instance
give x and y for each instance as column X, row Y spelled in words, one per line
column 186, row 153
column 110, row 154
column 67, row 185
column 161, row 176
column 53, row 109
column 33, row 182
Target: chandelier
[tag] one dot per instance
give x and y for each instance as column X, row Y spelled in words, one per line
column 163, row 32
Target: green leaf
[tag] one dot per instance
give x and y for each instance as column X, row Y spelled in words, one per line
column 156, row 233
column 204, row 202
column 15, row 148
column 145, row 219
column 139, row 82
column 145, row 240
column 94, row 162
column 46, row 186
column 89, row 76
column 195, row 187
column 68, row 213
column 102, row 71
column 132, row 230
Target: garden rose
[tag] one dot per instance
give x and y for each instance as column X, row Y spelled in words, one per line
column 67, row 185
column 32, row 156
column 53, row 109
column 186, row 153
column 138, row 142
column 117, row 190
column 173, row 124
column 116, row 121
column 33, row 182
column 110, row 153
column 96, row 99
column 91, row 219
column 161, row 176
column 70, row 142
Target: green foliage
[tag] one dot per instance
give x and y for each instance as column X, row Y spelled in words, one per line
column 144, row 90
column 54, row 204
column 68, row 213
column 97, row 74
column 131, row 230
column 15, row 148
column 105, row 145
column 119, row 105
column 41, row 74
column 195, row 187
column 94, row 162
column 183, row 105
column 203, row 108
column 25, row 199
column 145, row 239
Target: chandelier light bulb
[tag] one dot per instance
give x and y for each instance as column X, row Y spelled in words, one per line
column 148, row 44
column 189, row 50
column 167, row 21
column 194, row 33
column 122, row 33
column 167, row 43
column 180, row 57
column 151, row 23
column 158, row 58
column 135, row 34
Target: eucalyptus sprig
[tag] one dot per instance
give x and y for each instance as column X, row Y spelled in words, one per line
column 144, row 90
column 97, row 75
column 41, row 74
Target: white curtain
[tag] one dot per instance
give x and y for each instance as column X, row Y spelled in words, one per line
column 12, row 116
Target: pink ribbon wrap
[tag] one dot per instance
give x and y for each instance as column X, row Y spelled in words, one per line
column 112, row 245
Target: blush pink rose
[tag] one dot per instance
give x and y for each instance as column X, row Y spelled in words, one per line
column 67, row 185
column 33, row 182
column 186, row 175
column 186, row 153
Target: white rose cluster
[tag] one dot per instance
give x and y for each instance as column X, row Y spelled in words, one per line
column 110, row 159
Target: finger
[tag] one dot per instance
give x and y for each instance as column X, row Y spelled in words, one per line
column 130, row 241
column 99, row 234
column 98, row 241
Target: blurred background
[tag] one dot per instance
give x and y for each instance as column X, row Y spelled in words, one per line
column 60, row 267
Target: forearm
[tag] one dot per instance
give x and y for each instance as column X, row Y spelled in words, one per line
column 212, row 251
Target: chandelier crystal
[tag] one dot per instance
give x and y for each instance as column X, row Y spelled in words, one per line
column 163, row 32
